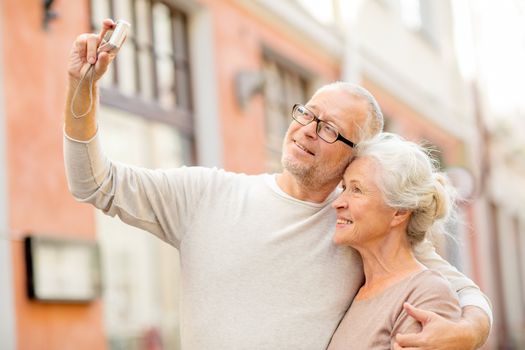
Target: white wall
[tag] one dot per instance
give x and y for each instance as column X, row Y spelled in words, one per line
column 205, row 89
column 401, row 60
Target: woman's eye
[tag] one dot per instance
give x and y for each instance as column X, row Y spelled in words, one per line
column 356, row 189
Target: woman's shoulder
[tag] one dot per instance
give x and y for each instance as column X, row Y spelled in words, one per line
column 431, row 291
column 430, row 280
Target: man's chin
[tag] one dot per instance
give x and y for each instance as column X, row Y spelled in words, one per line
column 296, row 168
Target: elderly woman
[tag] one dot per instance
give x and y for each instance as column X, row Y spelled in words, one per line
column 392, row 199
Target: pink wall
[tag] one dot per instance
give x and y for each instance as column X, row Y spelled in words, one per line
column 239, row 38
column 39, row 202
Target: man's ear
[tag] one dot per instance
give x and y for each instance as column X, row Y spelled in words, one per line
column 400, row 216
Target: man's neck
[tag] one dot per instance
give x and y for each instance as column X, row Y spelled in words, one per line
column 316, row 193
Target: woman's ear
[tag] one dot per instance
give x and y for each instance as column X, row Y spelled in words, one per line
column 401, row 216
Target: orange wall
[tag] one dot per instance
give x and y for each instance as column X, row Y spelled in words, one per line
column 239, row 38
column 35, row 78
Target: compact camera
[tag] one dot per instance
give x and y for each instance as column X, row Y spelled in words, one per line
column 113, row 39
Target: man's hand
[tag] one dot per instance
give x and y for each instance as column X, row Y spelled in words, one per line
column 469, row 333
column 84, row 53
column 82, row 98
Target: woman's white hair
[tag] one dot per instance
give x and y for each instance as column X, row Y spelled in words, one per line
column 409, row 180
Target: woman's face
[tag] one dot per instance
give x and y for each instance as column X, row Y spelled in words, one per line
column 362, row 215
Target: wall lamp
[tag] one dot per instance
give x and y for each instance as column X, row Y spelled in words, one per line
column 247, row 85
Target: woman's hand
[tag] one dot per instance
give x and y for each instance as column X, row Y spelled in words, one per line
column 84, row 53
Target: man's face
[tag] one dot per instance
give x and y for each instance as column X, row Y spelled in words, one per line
column 311, row 159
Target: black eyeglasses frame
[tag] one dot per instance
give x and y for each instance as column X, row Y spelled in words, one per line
column 317, row 120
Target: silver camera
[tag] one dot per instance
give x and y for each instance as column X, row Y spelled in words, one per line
column 113, row 39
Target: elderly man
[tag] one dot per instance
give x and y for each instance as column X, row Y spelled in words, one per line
column 259, row 269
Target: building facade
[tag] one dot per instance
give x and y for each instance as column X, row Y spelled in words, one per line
column 211, row 83
column 411, row 65
column 500, row 155
column 190, row 87
column 414, row 74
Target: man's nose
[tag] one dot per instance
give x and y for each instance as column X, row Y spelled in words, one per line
column 310, row 130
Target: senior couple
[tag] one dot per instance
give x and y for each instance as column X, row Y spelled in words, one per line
column 293, row 260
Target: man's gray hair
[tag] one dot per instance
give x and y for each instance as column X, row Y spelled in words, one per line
column 374, row 121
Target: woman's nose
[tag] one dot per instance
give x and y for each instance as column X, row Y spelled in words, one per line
column 340, row 203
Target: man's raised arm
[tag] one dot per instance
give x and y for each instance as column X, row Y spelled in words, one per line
column 83, row 98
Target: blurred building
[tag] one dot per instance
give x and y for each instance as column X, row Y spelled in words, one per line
column 33, row 191
column 403, row 51
column 500, row 156
column 212, row 82
column 408, row 62
column 198, row 82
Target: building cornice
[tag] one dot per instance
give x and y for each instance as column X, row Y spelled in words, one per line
column 289, row 17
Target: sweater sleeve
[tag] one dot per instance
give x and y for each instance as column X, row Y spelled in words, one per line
column 431, row 292
column 159, row 201
column 468, row 292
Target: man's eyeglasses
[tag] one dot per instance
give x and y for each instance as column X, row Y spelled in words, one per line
column 324, row 130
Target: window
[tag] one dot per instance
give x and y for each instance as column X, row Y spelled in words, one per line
column 148, row 121
column 419, row 15
column 283, row 88
column 411, row 14
column 151, row 76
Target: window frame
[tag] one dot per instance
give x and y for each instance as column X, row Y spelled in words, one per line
column 286, row 66
column 180, row 115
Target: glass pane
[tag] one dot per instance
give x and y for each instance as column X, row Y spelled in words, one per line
column 182, row 93
column 166, row 145
column 283, row 89
column 166, row 82
column 162, row 30
column 274, row 112
column 179, row 28
column 411, row 13
column 142, row 26
column 145, row 72
column 123, row 10
column 99, row 11
column 126, row 69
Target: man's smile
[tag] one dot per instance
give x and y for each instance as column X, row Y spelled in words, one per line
column 303, row 148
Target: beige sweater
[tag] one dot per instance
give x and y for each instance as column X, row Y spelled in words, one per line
column 371, row 324
column 259, row 269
